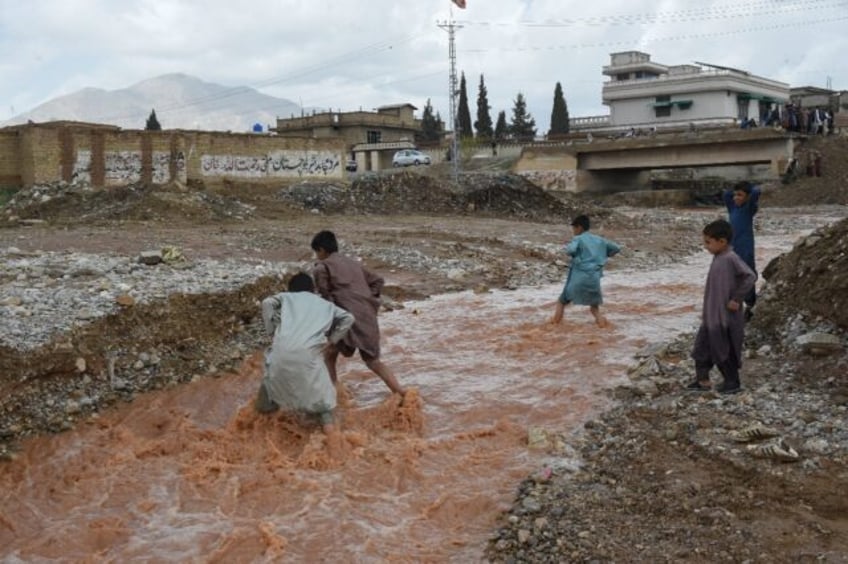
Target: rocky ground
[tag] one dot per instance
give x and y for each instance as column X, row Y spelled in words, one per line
column 106, row 294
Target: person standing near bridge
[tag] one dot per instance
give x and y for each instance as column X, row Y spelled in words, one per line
column 743, row 203
column 718, row 342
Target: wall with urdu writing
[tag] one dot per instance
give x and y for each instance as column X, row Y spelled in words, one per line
column 262, row 158
column 104, row 156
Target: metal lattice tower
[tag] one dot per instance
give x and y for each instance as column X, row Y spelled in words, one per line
column 453, row 92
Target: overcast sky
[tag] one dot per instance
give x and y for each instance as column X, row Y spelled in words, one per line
column 351, row 54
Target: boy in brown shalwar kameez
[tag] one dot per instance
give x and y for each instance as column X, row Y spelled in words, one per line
column 719, row 339
column 346, row 283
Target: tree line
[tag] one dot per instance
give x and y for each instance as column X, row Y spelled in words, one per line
column 522, row 126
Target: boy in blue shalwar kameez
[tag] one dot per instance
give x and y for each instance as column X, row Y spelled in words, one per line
column 589, row 254
column 742, row 203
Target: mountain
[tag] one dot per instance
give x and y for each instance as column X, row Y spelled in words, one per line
column 181, row 102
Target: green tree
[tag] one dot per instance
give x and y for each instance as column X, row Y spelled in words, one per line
column 523, row 126
column 430, row 125
column 501, row 128
column 463, row 116
column 483, row 125
column 152, row 122
column 559, row 113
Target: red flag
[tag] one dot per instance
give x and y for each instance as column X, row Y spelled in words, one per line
column 460, row 3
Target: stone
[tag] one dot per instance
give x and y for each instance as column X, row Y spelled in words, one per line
column 72, row 407
column 537, row 438
column 531, row 505
column 819, row 343
column 481, row 289
column 80, row 365
column 150, row 258
column 125, row 300
column 12, row 301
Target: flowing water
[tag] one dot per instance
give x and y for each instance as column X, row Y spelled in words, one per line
column 191, row 474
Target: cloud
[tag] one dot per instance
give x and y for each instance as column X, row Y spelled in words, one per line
column 365, row 54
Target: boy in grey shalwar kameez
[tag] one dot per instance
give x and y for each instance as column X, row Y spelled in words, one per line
column 719, row 339
column 302, row 324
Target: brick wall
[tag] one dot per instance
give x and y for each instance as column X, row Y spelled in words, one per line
column 107, row 156
column 10, row 168
column 40, row 154
column 262, row 158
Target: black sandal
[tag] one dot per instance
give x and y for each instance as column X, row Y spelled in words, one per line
column 696, row 386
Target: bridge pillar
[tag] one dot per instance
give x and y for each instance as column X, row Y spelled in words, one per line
column 611, row 181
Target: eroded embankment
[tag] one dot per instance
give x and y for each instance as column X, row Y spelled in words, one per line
column 134, row 349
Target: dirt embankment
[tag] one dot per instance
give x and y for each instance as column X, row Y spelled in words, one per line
column 803, row 189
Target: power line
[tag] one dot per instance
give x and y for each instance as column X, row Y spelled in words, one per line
column 643, row 40
column 715, row 12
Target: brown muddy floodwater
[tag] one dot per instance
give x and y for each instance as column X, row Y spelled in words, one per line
column 191, row 474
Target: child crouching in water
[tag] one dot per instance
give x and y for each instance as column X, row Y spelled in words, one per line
column 303, row 326
column 719, row 339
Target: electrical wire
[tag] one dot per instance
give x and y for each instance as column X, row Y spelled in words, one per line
column 644, row 40
column 751, row 9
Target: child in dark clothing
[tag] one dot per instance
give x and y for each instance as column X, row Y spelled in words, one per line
column 719, row 339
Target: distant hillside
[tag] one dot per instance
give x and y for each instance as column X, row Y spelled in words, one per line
column 180, row 101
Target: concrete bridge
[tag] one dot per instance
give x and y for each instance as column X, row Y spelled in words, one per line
column 625, row 164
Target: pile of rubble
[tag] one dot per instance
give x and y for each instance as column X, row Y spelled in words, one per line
column 63, row 202
column 488, row 194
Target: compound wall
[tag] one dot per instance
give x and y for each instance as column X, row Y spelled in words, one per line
column 105, row 156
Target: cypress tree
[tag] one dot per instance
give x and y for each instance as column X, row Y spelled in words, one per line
column 523, row 126
column 501, row 128
column 559, row 114
column 430, row 127
column 152, row 123
column 463, row 118
column 483, row 125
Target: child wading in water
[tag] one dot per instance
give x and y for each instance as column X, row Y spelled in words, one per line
column 589, row 254
column 719, row 339
column 346, row 283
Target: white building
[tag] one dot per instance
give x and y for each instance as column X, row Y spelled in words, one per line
column 643, row 94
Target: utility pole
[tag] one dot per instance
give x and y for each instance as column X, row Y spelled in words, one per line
column 453, row 92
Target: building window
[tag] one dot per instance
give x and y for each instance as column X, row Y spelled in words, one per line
column 622, row 76
column 662, row 106
column 373, row 137
column 742, row 104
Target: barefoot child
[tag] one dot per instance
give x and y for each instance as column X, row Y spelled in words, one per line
column 303, row 325
column 349, row 285
column 589, row 254
column 719, row 339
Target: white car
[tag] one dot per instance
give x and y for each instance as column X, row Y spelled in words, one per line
column 409, row 157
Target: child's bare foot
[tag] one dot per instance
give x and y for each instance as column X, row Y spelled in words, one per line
column 602, row 322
